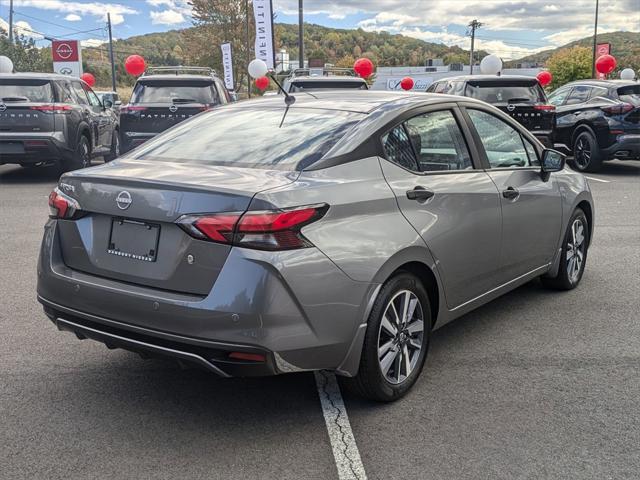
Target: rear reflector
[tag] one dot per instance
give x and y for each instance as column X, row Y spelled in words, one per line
column 53, row 108
column 617, row 109
column 35, row 143
column 545, row 108
column 62, row 206
column 252, row 357
column 262, row 230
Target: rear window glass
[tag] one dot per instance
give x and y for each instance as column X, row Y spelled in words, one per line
column 492, row 92
column 174, row 92
column 630, row 94
column 25, row 90
column 252, row 137
column 325, row 85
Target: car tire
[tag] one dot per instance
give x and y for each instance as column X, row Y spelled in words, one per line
column 115, row 147
column 81, row 156
column 587, row 156
column 390, row 376
column 573, row 257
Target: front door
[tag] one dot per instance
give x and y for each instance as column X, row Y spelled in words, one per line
column 531, row 202
column 453, row 206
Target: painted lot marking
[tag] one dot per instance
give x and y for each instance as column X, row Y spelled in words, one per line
column 343, row 443
column 598, row 179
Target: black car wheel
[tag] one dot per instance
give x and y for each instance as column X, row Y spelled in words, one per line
column 82, row 155
column 115, row 147
column 573, row 255
column 586, row 153
column 396, row 342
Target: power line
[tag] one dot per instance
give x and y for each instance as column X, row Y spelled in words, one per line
column 47, row 21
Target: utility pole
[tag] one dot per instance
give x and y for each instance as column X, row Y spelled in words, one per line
column 474, row 25
column 300, row 35
column 595, row 43
column 113, row 63
column 247, row 46
column 11, row 22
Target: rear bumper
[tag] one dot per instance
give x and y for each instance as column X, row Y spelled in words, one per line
column 131, row 140
column 626, row 147
column 28, row 149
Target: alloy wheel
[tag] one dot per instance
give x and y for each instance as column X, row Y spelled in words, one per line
column 583, row 151
column 575, row 250
column 400, row 337
column 84, row 154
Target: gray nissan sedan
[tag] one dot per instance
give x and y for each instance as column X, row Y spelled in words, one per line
column 336, row 233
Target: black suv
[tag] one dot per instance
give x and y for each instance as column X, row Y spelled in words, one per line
column 165, row 96
column 306, row 79
column 597, row 120
column 53, row 119
column 521, row 97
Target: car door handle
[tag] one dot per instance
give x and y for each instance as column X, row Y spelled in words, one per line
column 511, row 193
column 419, row 193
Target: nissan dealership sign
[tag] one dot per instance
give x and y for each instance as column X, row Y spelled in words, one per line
column 67, row 57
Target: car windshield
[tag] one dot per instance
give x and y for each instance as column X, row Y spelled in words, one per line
column 326, row 85
column 630, row 94
column 252, row 137
column 500, row 92
column 173, row 92
column 25, row 90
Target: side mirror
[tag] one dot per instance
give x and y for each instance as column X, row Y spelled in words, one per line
column 107, row 104
column 552, row 161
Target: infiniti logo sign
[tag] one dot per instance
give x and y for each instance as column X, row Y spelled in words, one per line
column 123, row 200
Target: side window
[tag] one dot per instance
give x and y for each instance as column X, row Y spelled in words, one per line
column 82, row 97
column 438, row 142
column 94, row 101
column 557, row 97
column 397, row 148
column 531, row 152
column 502, row 143
column 598, row 92
column 579, row 94
column 66, row 95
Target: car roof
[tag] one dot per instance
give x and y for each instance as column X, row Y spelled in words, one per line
column 37, row 75
column 176, row 78
column 489, row 78
column 327, row 78
column 601, row 83
column 360, row 101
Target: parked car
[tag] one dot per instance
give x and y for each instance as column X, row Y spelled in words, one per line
column 165, row 96
column 54, row 119
column 336, row 233
column 110, row 99
column 310, row 79
column 521, row 97
column 598, row 120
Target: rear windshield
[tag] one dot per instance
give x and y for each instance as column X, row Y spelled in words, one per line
column 251, row 137
column 174, row 92
column 494, row 92
column 630, row 94
column 325, row 85
column 25, row 90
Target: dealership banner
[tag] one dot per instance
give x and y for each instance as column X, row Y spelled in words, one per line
column 227, row 65
column 263, row 14
column 602, row 49
column 420, row 84
column 67, row 57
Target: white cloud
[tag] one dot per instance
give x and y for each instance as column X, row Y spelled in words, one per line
column 20, row 28
column 96, row 9
column 93, row 42
column 180, row 6
column 166, row 17
column 72, row 17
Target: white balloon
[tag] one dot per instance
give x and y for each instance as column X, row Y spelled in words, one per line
column 627, row 74
column 6, row 65
column 257, row 68
column 491, row 65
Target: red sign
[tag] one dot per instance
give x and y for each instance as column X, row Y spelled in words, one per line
column 602, row 49
column 65, row 50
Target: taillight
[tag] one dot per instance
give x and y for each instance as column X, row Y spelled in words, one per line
column 262, row 230
column 545, row 108
column 62, row 206
column 53, row 108
column 132, row 108
column 617, row 109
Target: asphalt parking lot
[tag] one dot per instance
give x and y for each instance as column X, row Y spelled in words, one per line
column 537, row 384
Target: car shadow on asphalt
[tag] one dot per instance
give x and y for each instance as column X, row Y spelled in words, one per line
column 621, row 168
column 16, row 175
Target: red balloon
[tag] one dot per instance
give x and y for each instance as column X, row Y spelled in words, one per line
column 606, row 64
column 262, row 82
column 88, row 79
column 363, row 67
column 544, row 78
column 406, row 83
column 135, row 65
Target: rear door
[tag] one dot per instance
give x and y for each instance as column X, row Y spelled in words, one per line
column 452, row 205
column 25, row 106
column 102, row 117
column 531, row 203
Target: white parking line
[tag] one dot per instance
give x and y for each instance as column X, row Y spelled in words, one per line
column 598, row 179
column 343, row 443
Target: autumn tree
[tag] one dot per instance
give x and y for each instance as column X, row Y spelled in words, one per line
column 570, row 64
column 24, row 54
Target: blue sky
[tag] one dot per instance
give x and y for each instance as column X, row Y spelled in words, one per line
column 513, row 28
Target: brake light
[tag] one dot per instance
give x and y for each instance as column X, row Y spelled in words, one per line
column 132, row 108
column 251, row 357
column 545, row 108
column 53, row 108
column 262, row 230
column 61, row 205
column 617, row 109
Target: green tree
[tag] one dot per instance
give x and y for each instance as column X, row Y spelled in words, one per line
column 570, row 64
column 24, row 54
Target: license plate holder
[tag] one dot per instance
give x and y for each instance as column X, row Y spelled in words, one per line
column 134, row 239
